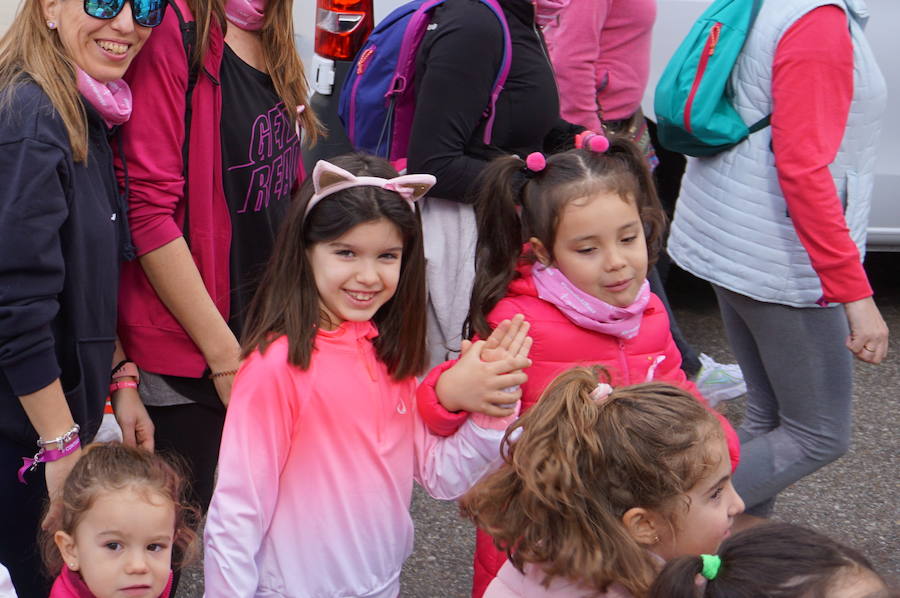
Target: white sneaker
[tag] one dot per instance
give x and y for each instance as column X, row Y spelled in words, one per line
column 719, row 381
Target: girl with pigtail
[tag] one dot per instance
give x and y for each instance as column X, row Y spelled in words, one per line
column 599, row 486
column 591, row 224
column 776, row 560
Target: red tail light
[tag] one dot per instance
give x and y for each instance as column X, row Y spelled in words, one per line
column 342, row 27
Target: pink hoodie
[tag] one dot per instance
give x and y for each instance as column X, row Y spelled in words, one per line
column 316, row 472
column 510, row 583
column 600, row 51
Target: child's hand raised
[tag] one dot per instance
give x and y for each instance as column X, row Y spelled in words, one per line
column 507, row 340
column 487, row 377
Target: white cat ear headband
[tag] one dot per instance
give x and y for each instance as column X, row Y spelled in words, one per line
column 328, row 179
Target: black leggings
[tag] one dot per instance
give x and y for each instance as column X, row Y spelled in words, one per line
column 192, row 433
column 22, row 507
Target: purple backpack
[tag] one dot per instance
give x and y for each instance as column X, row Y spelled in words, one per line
column 378, row 98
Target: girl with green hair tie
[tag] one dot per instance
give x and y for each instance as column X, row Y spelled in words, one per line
column 777, row 560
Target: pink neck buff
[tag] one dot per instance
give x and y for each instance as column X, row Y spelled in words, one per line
column 112, row 100
column 246, row 14
column 586, row 310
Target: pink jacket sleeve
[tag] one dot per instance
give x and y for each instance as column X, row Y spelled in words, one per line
column 575, row 51
column 255, row 445
column 447, row 466
column 812, row 87
column 437, row 419
column 153, row 136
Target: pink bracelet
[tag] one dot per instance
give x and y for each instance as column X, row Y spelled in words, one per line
column 122, row 384
column 127, row 369
column 45, row 456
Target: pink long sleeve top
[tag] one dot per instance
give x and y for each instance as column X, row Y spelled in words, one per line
column 600, row 50
column 812, row 87
column 316, row 471
column 511, row 583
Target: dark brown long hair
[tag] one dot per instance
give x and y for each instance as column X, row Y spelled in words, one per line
column 287, row 301
column 568, row 176
column 279, row 51
column 578, row 466
column 776, row 560
column 105, row 467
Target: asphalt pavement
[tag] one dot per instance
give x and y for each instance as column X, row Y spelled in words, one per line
column 853, row 500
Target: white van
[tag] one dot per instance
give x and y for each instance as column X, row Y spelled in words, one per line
column 674, row 19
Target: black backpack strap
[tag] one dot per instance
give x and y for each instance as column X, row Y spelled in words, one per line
column 189, row 41
column 760, row 124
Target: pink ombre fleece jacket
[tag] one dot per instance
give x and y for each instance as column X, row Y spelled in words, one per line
column 316, row 472
column 600, row 50
column 511, row 583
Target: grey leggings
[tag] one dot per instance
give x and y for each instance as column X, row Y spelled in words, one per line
column 799, row 380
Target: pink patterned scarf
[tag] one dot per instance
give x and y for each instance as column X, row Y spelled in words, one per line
column 246, row 14
column 112, row 100
column 587, row 311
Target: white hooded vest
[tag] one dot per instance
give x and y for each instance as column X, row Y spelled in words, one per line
column 731, row 223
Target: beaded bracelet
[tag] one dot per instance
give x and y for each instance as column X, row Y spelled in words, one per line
column 215, row 375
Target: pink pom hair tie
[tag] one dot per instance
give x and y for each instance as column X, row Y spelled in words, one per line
column 601, row 393
column 535, row 161
column 589, row 140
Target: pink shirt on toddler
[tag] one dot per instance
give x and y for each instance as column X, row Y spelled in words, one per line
column 70, row 585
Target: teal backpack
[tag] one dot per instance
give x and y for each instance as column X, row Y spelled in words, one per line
column 693, row 104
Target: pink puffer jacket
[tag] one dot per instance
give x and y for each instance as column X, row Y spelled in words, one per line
column 559, row 344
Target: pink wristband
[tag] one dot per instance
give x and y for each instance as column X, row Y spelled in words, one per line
column 127, row 369
column 45, row 456
column 122, row 384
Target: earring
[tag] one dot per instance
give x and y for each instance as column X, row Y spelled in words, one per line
column 656, row 539
column 51, row 25
column 72, row 566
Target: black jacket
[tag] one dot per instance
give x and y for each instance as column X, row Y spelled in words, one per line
column 59, row 263
column 455, row 70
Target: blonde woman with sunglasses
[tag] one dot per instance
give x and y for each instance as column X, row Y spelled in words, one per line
column 63, row 230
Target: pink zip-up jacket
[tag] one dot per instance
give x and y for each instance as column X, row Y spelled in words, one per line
column 511, row 583
column 70, row 585
column 158, row 201
column 600, row 50
column 316, row 471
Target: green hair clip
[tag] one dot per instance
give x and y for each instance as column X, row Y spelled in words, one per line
column 711, row 564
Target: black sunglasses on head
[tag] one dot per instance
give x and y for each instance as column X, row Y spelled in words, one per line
column 146, row 13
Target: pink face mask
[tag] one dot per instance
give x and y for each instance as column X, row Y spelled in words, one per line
column 246, row 14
